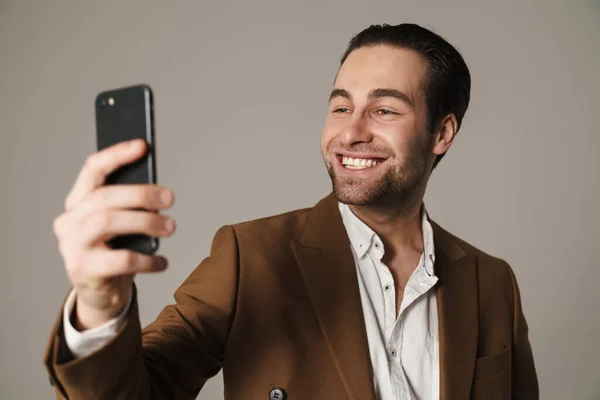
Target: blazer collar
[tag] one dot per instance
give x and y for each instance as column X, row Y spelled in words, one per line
column 324, row 227
column 327, row 266
column 458, row 314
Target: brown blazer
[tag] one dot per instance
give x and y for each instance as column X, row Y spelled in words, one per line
column 276, row 305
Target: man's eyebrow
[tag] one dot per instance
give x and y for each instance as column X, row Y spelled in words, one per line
column 375, row 93
column 340, row 93
column 395, row 93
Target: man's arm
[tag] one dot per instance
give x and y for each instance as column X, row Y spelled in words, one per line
column 175, row 355
column 524, row 377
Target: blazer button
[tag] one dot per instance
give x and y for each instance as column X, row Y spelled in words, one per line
column 277, row 394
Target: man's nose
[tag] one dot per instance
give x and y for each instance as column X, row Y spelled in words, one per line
column 356, row 131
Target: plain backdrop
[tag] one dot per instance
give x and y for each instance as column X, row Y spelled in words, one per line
column 241, row 96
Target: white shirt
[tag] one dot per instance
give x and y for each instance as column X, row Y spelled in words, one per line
column 405, row 350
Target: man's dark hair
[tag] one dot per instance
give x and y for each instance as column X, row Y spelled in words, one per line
column 446, row 86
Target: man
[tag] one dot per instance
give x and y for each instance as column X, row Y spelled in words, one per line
column 361, row 296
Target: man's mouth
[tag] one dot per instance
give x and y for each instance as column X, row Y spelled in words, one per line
column 359, row 163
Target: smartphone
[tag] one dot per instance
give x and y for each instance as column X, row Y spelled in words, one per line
column 123, row 114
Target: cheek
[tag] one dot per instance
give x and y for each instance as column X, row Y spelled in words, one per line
column 327, row 136
column 324, row 142
column 398, row 135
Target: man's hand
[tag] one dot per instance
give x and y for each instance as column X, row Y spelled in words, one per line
column 94, row 213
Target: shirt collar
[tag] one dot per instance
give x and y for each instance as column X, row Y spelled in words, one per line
column 360, row 234
column 362, row 237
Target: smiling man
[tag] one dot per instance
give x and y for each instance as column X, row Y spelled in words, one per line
column 360, row 297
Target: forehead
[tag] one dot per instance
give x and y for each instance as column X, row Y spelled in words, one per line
column 382, row 66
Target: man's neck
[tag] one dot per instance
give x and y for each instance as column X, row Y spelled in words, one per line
column 400, row 227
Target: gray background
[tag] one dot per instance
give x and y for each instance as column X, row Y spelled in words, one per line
column 241, row 97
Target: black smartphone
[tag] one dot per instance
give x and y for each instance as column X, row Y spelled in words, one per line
column 123, row 114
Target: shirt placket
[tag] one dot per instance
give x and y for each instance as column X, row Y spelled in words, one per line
column 393, row 326
column 417, row 286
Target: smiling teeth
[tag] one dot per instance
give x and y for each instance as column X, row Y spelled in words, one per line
column 359, row 163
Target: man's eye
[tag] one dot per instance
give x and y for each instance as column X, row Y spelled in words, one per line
column 341, row 110
column 383, row 111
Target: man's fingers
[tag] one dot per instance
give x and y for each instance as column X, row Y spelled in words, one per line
column 135, row 196
column 104, row 225
column 99, row 165
column 104, row 264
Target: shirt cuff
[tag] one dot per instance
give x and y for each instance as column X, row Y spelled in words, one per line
column 84, row 343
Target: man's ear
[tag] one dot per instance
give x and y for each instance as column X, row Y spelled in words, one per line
column 445, row 134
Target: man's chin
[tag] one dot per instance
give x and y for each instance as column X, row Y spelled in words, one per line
column 354, row 196
column 355, row 191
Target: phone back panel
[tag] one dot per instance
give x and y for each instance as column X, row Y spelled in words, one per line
column 124, row 114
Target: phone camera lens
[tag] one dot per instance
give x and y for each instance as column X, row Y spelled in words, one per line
column 101, row 103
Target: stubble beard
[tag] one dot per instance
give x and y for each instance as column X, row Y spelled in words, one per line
column 397, row 186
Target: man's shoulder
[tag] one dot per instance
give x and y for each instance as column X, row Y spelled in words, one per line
column 486, row 262
column 285, row 225
column 495, row 277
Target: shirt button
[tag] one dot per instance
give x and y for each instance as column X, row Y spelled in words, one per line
column 387, row 288
column 393, row 352
column 376, row 244
column 277, row 394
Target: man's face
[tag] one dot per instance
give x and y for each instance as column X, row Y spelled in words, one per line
column 374, row 142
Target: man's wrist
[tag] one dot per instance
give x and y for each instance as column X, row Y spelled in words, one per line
column 84, row 318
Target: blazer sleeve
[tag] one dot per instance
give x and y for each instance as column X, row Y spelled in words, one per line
column 173, row 357
column 524, row 376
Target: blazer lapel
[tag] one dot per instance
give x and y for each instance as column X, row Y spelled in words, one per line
column 457, row 315
column 327, row 265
